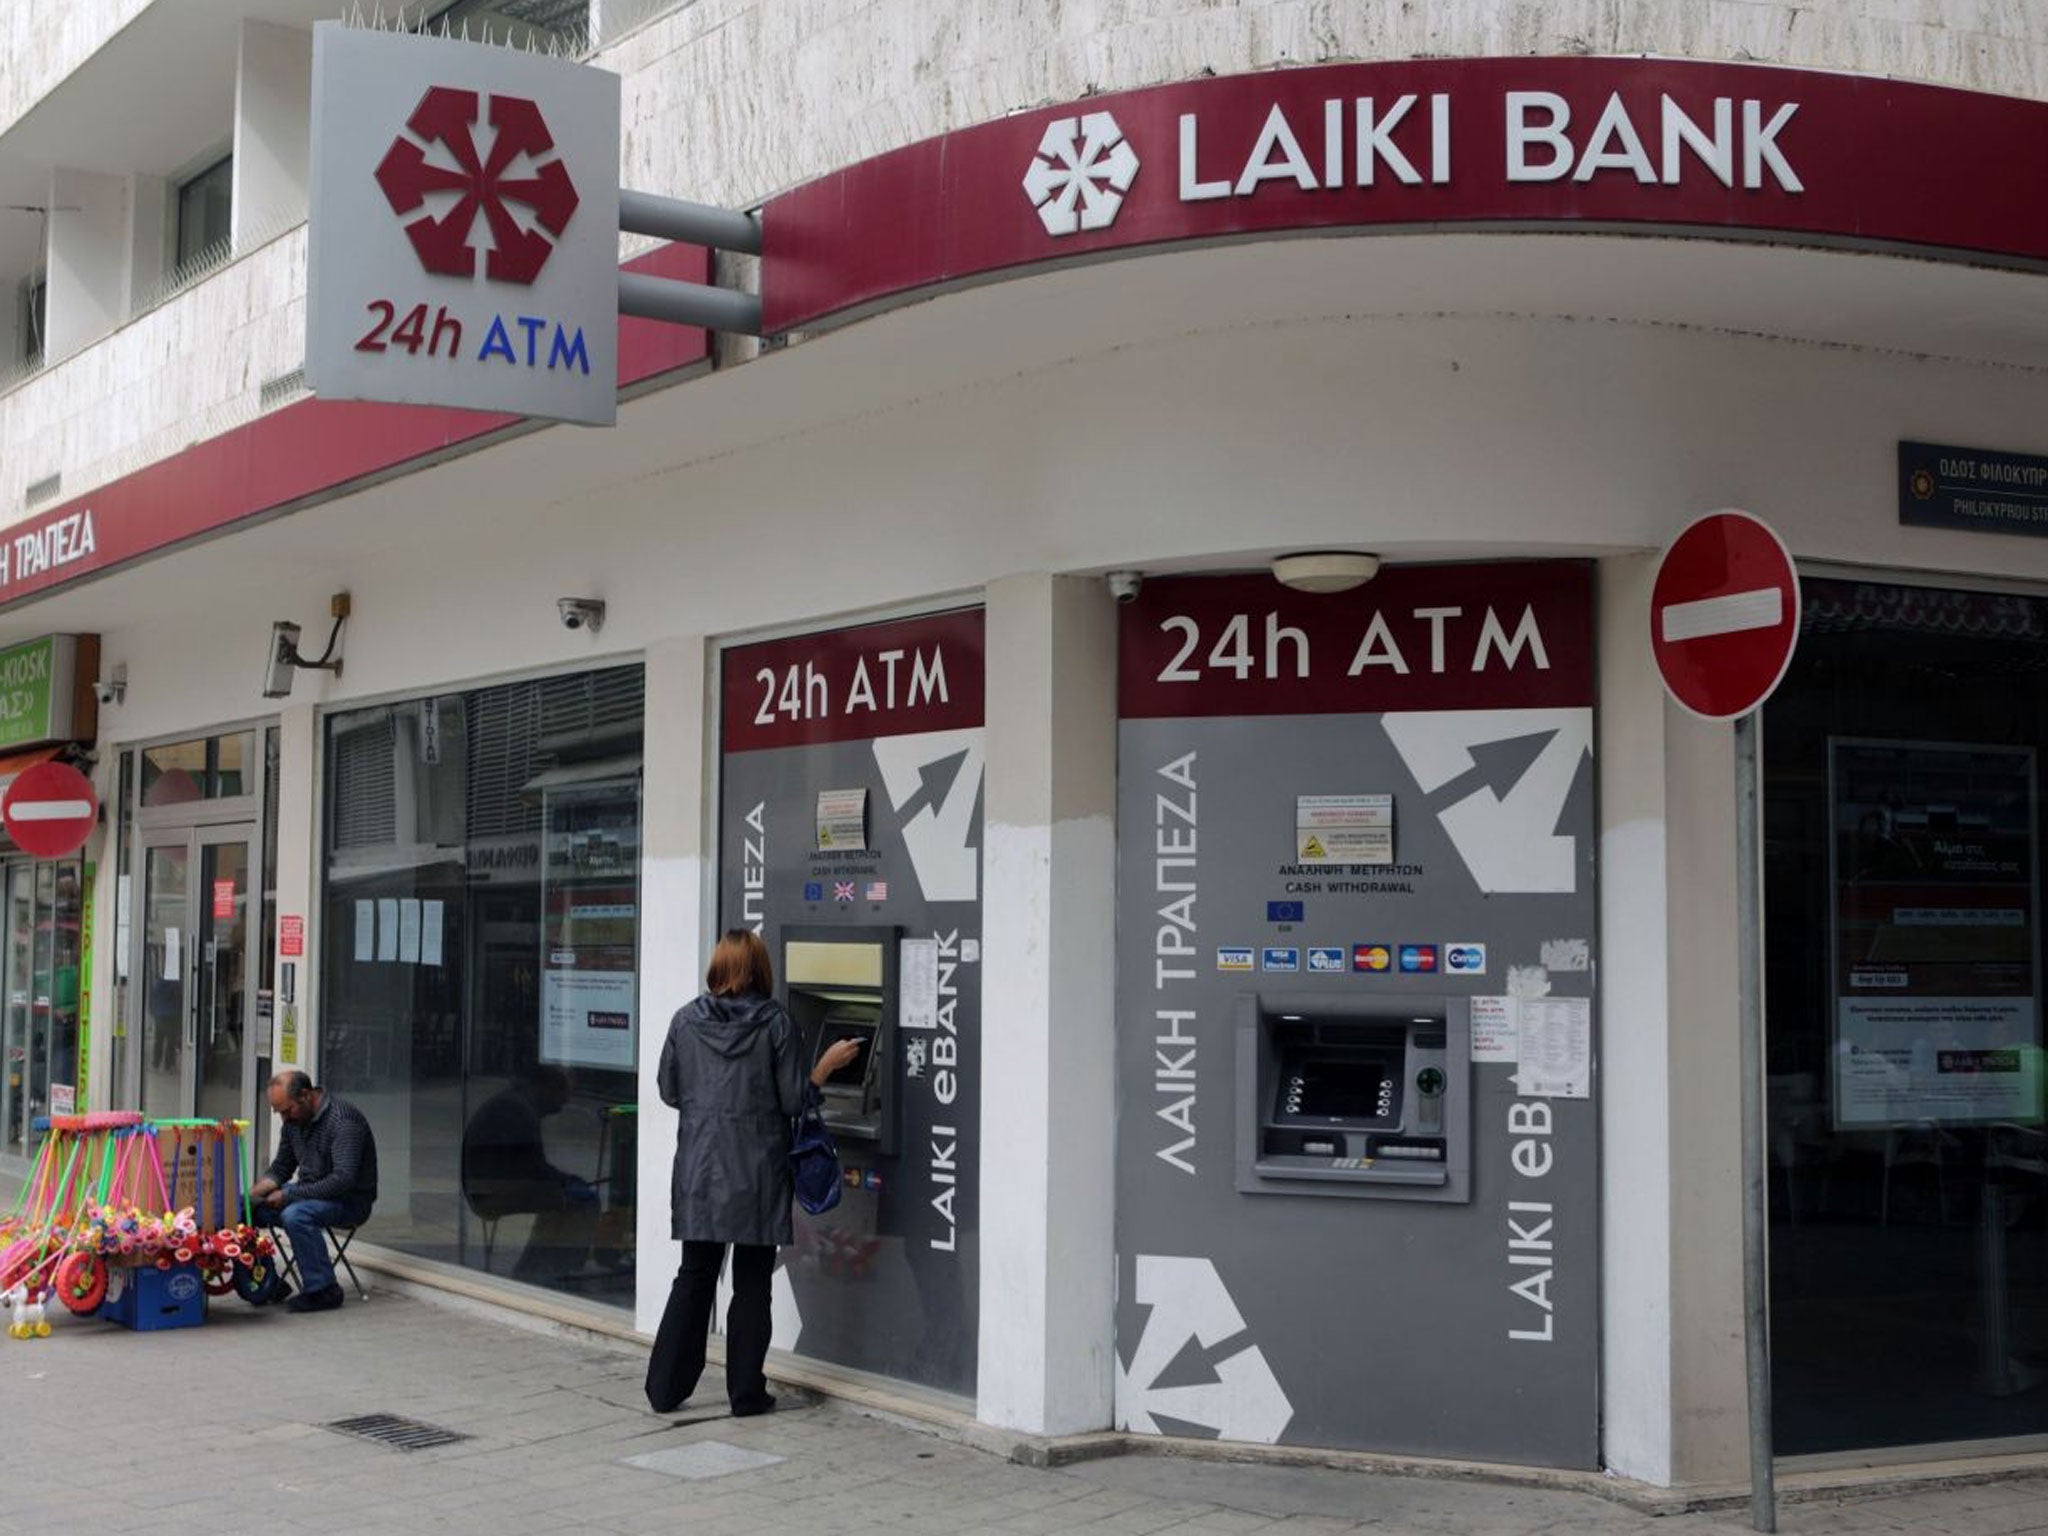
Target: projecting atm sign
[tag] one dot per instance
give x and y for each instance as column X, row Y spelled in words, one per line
column 463, row 234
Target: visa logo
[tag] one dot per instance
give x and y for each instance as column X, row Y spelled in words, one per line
column 1280, row 960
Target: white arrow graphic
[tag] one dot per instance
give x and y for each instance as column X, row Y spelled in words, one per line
column 937, row 833
column 1506, row 832
column 1086, row 167
column 1188, row 1300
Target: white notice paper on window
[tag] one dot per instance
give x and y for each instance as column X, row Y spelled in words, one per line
column 174, row 954
column 1557, row 1047
column 387, row 927
column 366, row 930
column 430, row 933
column 1496, row 1033
column 409, row 931
column 918, row 983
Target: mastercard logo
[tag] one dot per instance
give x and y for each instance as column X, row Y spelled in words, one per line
column 1371, row 957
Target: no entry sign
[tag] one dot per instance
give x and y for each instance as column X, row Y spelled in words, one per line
column 1724, row 615
column 49, row 810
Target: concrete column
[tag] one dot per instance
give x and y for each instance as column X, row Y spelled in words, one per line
column 1048, row 1252
column 88, row 259
column 273, row 115
column 677, row 911
column 298, row 881
column 1673, row 1386
column 149, row 237
column 1635, row 1128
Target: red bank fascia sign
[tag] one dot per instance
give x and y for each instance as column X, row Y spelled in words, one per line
column 1736, row 151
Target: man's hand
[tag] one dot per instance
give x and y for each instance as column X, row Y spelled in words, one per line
column 838, row 1054
column 275, row 1199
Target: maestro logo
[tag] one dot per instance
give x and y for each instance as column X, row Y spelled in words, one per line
column 520, row 169
column 1079, row 176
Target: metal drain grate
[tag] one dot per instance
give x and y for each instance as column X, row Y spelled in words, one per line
column 390, row 1429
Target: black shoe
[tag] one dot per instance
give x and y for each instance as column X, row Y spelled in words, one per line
column 282, row 1294
column 765, row 1403
column 328, row 1300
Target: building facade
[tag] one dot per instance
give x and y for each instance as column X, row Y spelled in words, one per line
column 1292, row 1017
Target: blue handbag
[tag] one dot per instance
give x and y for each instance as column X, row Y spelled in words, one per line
column 814, row 1159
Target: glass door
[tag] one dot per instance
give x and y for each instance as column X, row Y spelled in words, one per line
column 195, row 968
column 17, row 1006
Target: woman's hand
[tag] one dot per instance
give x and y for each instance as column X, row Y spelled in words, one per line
column 838, row 1054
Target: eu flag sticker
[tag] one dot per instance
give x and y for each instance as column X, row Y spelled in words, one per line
column 814, row 891
column 1283, row 911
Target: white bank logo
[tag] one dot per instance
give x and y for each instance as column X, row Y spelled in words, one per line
column 1194, row 1361
column 1079, row 176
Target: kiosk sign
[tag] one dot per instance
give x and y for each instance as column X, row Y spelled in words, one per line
column 463, row 232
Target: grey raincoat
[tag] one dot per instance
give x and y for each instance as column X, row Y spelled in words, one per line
column 733, row 1068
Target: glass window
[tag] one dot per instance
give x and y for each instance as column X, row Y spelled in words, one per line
column 481, row 952
column 209, row 768
column 33, row 319
column 1909, row 1154
column 124, row 904
column 204, row 207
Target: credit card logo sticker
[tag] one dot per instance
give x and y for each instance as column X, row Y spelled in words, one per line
column 1233, row 959
column 1280, row 959
column 1372, row 957
column 1325, row 961
column 1418, row 957
column 1465, row 959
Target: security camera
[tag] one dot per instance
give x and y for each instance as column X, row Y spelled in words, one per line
column 112, row 689
column 1124, row 585
column 581, row 613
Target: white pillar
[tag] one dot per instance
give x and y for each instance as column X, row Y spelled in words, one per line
column 1048, row 1252
column 88, row 260
column 677, row 909
column 1673, row 1387
column 273, row 114
column 298, row 881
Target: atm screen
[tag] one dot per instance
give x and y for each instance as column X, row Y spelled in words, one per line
column 854, row 1073
column 1326, row 1089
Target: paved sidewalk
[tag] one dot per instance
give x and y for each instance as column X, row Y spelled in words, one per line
column 218, row 1428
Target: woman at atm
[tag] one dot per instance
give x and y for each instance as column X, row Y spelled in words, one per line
column 733, row 1068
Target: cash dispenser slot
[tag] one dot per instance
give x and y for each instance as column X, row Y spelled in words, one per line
column 1368, row 1098
column 840, row 984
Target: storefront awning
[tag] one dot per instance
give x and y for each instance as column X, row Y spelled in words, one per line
column 14, row 764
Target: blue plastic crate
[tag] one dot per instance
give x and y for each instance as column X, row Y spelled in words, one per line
column 149, row 1298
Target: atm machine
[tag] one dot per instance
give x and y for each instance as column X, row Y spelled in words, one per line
column 1354, row 1097
column 840, row 983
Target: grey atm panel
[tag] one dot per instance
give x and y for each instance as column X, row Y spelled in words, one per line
column 841, row 984
column 1354, row 1098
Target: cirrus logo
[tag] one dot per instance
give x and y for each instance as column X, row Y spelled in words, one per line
column 482, row 185
column 1079, row 176
column 1465, row 959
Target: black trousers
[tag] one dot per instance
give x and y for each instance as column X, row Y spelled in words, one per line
column 678, row 1358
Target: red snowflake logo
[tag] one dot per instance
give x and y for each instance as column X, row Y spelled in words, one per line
column 447, row 116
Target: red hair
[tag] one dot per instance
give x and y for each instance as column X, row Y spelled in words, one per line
column 740, row 965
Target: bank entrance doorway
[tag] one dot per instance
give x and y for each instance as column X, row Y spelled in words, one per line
column 199, row 1017
column 1908, row 1132
column 198, row 925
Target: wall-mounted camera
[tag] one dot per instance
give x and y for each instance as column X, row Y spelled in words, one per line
column 113, row 688
column 284, row 659
column 1124, row 585
column 581, row 613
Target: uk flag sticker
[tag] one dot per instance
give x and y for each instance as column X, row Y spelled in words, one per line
column 842, row 890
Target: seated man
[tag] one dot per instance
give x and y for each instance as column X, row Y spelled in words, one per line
column 324, row 1175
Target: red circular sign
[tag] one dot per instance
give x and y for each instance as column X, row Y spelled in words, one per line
column 1724, row 615
column 50, row 810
